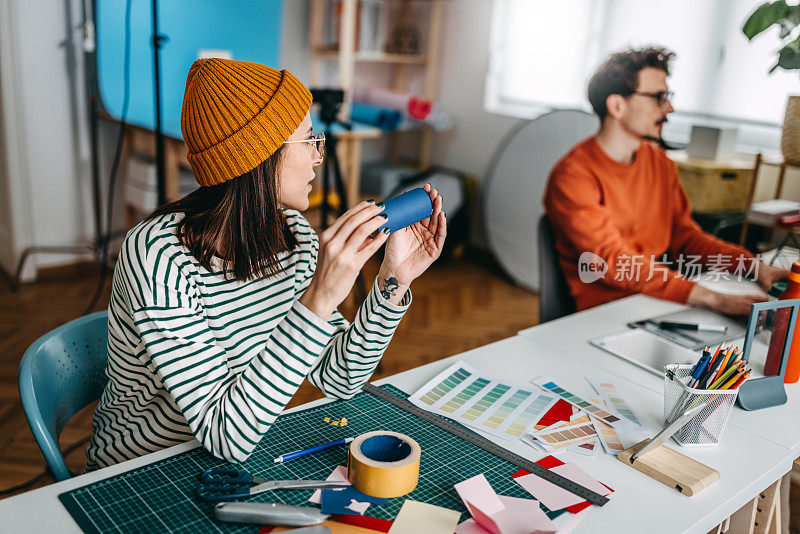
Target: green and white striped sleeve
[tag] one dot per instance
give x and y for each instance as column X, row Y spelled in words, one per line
column 227, row 412
column 353, row 353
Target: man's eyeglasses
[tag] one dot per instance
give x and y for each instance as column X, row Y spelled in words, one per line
column 317, row 141
column 661, row 97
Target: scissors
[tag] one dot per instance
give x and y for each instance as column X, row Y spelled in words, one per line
column 222, row 484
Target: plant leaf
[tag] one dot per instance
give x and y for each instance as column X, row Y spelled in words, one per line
column 766, row 15
column 789, row 56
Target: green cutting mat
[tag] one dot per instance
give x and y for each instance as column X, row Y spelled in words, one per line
column 161, row 497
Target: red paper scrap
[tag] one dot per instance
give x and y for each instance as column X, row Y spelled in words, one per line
column 549, row 462
column 561, row 411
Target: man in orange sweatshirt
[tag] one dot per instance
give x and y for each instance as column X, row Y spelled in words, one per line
column 617, row 205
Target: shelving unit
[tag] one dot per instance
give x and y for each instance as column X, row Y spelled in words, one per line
column 347, row 56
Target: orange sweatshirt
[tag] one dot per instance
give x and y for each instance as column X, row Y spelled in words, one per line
column 628, row 216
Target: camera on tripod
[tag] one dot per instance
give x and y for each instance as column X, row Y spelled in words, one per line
column 330, row 101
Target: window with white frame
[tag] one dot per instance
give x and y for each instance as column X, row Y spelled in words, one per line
column 543, row 53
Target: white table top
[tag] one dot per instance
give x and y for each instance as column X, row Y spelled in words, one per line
column 572, row 334
column 554, row 349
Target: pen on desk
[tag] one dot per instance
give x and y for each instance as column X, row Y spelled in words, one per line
column 703, row 327
column 297, row 454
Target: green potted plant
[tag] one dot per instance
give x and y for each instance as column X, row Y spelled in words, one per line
column 787, row 18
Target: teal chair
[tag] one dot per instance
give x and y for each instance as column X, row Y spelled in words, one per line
column 61, row 373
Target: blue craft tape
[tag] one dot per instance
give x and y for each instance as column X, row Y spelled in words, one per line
column 406, row 209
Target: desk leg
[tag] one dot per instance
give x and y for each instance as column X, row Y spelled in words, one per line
column 743, row 520
column 762, row 515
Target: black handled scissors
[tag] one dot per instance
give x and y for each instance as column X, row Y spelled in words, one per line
column 223, row 484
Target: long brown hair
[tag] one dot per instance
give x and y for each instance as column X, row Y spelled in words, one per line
column 239, row 221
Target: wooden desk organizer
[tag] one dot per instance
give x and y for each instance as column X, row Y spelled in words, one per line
column 672, row 468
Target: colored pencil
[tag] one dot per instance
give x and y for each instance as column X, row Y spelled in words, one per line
column 742, row 379
column 733, row 379
column 712, row 367
column 722, row 366
column 723, row 377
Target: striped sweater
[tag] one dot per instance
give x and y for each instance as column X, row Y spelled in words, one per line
column 192, row 354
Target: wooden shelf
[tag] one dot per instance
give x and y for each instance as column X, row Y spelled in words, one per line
column 344, row 54
column 374, row 57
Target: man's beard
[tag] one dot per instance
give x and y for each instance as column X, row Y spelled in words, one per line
column 659, row 139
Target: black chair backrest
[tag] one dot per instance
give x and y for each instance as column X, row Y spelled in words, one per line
column 555, row 299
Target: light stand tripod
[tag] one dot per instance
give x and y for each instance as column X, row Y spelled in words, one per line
column 330, row 101
column 100, row 242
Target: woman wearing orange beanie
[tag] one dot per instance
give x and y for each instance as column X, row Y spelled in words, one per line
column 224, row 301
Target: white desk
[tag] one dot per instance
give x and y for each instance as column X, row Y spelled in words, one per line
column 638, row 502
column 571, row 335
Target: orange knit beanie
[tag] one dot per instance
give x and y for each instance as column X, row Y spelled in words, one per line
column 236, row 114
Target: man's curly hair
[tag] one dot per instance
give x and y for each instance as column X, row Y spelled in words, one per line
column 619, row 74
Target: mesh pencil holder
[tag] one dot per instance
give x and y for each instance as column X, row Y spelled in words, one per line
column 707, row 426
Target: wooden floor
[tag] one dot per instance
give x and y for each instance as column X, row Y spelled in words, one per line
column 458, row 305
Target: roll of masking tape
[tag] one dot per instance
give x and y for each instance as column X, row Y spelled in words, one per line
column 383, row 464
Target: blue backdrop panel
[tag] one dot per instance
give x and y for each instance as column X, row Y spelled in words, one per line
column 250, row 29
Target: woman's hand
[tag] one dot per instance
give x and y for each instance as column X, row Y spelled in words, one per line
column 344, row 248
column 410, row 251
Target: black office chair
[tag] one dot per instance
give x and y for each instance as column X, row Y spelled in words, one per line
column 555, row 299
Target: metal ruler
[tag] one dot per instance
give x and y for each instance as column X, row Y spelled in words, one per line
column 487, row 445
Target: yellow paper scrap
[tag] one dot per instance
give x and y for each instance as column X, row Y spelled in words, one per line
column 327, row 419
column 416, row 517
column 335, row 423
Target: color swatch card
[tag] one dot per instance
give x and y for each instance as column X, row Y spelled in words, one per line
column 595, row 410
column 612, row 398
column 563, row 434
column 590, row 448
column 499, row 407
column 608, row 437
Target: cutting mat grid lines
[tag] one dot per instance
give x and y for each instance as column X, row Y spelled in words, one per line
column 163, row 496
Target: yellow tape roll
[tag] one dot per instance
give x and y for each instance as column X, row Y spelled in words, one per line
column 383, row 464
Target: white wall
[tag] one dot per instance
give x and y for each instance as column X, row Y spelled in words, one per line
column 45, row 132
column 465, row 59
